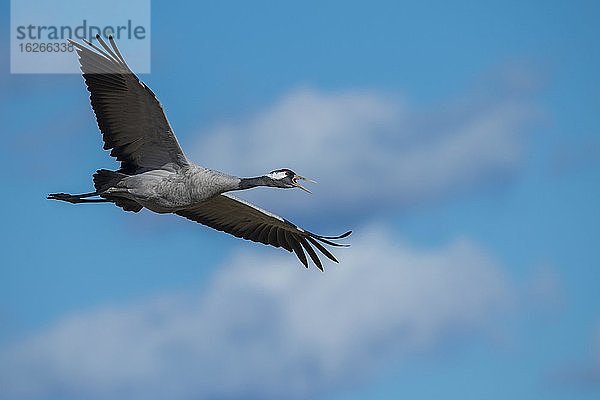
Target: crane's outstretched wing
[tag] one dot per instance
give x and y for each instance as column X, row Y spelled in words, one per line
column 235, row 216
column 129, row 115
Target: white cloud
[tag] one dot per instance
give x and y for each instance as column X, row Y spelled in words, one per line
column 267, row 328
column 369, row 148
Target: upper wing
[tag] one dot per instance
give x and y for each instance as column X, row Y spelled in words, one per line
column 242, row 219
column 129, row 115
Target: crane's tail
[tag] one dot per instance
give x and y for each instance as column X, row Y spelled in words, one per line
column 105, row 179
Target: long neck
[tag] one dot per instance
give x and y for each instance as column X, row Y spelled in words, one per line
column 247, row 183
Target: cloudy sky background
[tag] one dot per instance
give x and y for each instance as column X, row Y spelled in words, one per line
column 460, row 142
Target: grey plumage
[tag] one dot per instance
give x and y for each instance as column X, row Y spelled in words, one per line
column 155, row 173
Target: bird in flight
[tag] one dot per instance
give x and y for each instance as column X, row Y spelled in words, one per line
column 155, row 173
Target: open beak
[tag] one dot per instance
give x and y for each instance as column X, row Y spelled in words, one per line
column 301, row 178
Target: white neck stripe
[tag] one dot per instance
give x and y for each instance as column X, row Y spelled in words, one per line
column 277, row 175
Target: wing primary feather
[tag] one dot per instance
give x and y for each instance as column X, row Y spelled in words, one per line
column 297, row 249
column 320, row 238
column 322, row 249
column 312, row 254
column 117, row 52
column 92, row 45
column 108, row 49
column 343, row 235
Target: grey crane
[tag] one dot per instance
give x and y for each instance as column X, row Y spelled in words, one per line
column 155, row 173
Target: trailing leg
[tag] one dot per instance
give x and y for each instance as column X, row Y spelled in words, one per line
column 77, row 198
column 104, row 181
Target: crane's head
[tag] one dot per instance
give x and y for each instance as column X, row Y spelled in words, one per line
column 286, row 178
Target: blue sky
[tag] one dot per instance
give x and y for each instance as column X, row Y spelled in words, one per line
column 459, row 141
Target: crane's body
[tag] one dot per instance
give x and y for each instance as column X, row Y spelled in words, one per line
column 155, row 173
column 164, row 191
